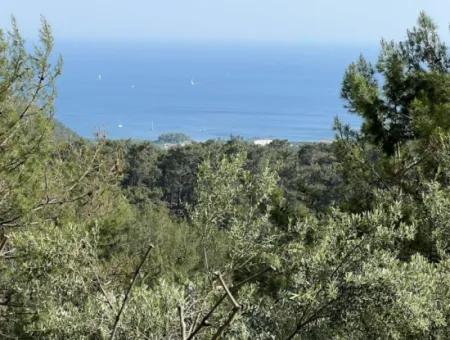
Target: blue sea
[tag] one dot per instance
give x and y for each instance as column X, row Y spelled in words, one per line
column 207, row 91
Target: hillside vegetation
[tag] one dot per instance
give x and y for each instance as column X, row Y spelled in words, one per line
column 225, row 239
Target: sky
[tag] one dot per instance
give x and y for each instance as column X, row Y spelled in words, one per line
column 259, row 21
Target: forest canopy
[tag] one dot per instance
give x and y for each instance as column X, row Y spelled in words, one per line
column 103, row 239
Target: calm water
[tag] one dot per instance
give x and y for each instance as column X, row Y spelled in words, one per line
column 208, row 91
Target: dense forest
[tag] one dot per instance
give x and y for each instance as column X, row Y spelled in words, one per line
column 103, row 239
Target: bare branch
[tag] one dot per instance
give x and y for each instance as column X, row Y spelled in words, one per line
column 226, row 324
column 3, row 244
column 204, row 322
column 128, row 293
column 230, row 296
column 182, row 323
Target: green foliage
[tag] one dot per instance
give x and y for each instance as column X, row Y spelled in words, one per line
column 141, row 173
column 63, row 133
column 173, row 138
column 178, row 169
column 232, row 211
column 405, row 96
column 60, row 206
column 345, row 241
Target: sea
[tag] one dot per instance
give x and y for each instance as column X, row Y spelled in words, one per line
column 206, row 91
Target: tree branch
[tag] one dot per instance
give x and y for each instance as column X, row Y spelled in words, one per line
column 230, row 296
column 3, row 244
column 128, row 293
column 182, row 323
column 204, row 322
column 226, row 324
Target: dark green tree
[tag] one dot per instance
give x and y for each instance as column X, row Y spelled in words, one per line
column 405, row 95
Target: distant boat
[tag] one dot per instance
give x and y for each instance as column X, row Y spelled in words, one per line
column 193, row 82
column 99, row 77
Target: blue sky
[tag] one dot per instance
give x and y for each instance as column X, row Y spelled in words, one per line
column 285, row 21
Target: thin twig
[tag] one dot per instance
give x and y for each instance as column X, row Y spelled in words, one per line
column 40, row 85
column 230, row 296
column 182, row 323
column 103, row 290
column 194, row 323
column 236, row 308
column 226, row 324
column 204, row 321
column 3, row 244
column 128, row 293
column 313, row 317
column 91, row 166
